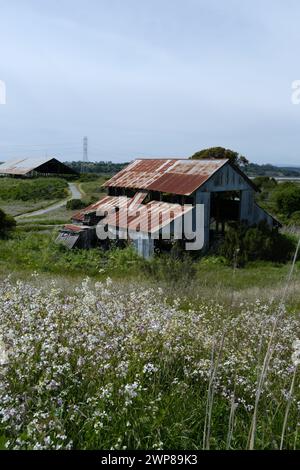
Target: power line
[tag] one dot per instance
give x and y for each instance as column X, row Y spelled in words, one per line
column 69, row 144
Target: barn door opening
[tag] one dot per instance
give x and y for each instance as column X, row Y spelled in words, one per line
column 225, row 208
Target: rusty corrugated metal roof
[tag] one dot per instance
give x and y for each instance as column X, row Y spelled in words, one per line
column 138, row 198
column 74, row 228
column 168, row 175
column 132, row 215
column 106, row 203
column 148, row 218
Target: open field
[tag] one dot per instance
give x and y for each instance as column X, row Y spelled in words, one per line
column 14, row 189
column 89, row 190
column 19, row 196
column 42, row 211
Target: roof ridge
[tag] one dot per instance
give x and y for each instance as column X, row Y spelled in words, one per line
column 178, row 158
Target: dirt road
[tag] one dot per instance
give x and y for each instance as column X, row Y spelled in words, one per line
column 75, row 194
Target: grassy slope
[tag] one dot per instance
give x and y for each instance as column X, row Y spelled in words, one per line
column 93, row 189
column 55, row 217
column 15, row 208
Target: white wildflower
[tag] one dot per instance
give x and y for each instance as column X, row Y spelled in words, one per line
column 149, row 368
column 296, row 353
column 131, row 389
column 3, row 353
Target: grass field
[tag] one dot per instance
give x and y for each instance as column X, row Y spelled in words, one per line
column 36, row 189
column 18, row 207
column 14, row 205
column 90, row 190
column 93, row 189
column 19, row 196
column 55, row 217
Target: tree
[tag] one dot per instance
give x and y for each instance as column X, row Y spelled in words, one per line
column 220, row 153
column 74, row 204
column 287, row 198
column 265, row 183
column 7, row 223
column 259, row 242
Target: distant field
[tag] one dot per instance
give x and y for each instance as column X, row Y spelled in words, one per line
column 19, row 196
column 91, row 191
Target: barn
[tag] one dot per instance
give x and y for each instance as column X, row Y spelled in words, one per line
column 158, row 193
column 30, row 167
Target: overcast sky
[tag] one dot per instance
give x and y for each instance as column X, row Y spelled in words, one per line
column 154, row 78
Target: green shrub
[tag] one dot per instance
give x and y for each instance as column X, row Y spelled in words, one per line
column 7, row 223
column 86, row 177
column 91, row 200
column 76, row 204
column 265, row 182
column 287, row 198
column 242, row 244
column 170, row 269
column 122, row 261
column 294, row 219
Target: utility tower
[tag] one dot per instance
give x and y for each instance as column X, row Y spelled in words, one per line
column 85, row 157
column 85, row 150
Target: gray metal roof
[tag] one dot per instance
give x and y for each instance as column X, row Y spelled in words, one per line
column 68, row 239
column 22, row 166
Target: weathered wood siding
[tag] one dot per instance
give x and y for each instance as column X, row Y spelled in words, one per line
column 226, row 179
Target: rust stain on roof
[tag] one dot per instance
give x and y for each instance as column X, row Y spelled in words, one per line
column 178, row 183
column 105, row 204
column 130, row 214
column 148, row 218
column 73, row 228
column 170, row 175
